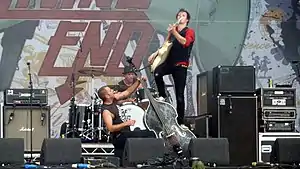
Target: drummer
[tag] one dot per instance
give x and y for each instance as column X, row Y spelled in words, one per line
column 129, row 79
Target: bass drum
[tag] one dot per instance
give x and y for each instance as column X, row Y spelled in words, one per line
column 130, row 111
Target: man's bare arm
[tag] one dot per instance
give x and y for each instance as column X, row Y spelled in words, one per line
column 107, row 118
column 129, row 91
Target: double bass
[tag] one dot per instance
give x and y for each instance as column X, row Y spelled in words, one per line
column 161, row 118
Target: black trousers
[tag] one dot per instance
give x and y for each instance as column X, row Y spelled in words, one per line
column 179, row 74
column 120, row 140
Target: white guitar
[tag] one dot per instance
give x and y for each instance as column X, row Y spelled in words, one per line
column 163, row 52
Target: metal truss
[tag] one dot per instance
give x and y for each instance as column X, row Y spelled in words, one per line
column 97, row 149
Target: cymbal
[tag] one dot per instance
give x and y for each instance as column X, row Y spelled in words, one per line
column 92, row 71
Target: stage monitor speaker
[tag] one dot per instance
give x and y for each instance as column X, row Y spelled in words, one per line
column 236, row 120
column 233, row 79
column 57, row 151
column 286, row 151
column 210, row 150
column 16, row 124
column 141, row 150
column 12, row 151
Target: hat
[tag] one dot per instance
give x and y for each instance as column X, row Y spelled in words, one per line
column 128, row 69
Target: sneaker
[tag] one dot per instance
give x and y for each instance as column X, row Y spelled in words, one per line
column 161, row 99
column 184, row 127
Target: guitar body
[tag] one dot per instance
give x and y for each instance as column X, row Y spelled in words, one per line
column 154, row 124
column 162, row 55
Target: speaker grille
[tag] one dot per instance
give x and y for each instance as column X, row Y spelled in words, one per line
column 16, row 124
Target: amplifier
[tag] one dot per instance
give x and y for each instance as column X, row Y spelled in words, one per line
column 15, row 123
column 279, row 126
column 276, row 97
column 234, row 80
column 266, row 142
column 22, row 97
column 278, row 114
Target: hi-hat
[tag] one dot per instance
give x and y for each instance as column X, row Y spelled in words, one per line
column 92, row 71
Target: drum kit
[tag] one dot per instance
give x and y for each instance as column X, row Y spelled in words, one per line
column 85, row 121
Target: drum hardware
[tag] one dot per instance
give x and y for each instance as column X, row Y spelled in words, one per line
column 92, row 72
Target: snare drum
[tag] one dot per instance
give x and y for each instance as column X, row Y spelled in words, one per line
column 128, row 111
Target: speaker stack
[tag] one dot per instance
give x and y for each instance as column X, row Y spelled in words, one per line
column 16, row 116
column 277, row 114
column 227, row 93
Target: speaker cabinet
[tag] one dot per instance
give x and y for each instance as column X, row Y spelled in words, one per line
column 210, row 150
column 141, row 150
column 16, row 124
column 12, row 151
column 204, row 92
column 233, row 79
column 61, row 151
column 236, row 119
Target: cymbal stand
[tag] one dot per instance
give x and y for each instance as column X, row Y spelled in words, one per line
column 93, row 111
column 72, row 112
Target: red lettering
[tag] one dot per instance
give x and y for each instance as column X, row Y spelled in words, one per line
column 60, row 38
column 22, row 4
column 133, row 4
column 67, row 4
column 100, row 53
column 146, row 32
column 49, row 4
column 99, row 3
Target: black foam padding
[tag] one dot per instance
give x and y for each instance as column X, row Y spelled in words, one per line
column 286, row 151
column 12, row 151
column 210, row 150
column 142, row 150
column 56, row 151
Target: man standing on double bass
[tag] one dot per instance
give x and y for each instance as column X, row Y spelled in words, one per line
column 177, row 61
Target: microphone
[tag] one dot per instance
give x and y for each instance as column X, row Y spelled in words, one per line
column 43, row 115
column 230, row 105
column 11, row 117
column 28, row 63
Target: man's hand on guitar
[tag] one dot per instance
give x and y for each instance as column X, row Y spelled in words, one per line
column 130, row 122
column 152, row 57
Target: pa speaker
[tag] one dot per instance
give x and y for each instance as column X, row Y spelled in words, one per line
column 140, row 150
column 286, row 151
column 210, row 150
column 12, row 151
column 61, row 151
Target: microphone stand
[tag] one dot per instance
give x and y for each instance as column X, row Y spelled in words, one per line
column 30, row 108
